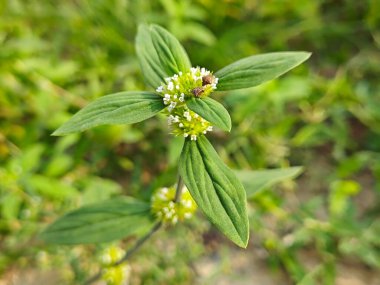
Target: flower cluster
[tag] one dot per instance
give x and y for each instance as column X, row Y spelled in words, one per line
column 114, row 275
column 167, row 211
column 198, row 82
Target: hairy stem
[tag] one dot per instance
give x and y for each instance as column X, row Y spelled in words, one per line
column 140, row 242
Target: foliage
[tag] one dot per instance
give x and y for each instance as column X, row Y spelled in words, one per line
column 56, row 57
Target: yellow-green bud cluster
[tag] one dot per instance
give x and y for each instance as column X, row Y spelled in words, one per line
column 114, row 275
column 198, row 82
column 166, row 210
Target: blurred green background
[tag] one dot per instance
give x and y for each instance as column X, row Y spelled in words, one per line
column 323, row 228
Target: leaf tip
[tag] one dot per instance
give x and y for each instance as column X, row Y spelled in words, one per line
column 57, row 133
column 306, row 55
column 243, row 240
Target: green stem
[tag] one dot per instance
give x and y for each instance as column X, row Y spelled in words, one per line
column 140, row 242
column 128, row 254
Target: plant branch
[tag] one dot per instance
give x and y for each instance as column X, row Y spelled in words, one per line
column 129, row 253
column 142, row 240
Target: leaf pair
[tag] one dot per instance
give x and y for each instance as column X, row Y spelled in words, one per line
column 125, row 216
column 160, row 56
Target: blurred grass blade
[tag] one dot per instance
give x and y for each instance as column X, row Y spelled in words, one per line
column 118, row 108
column 160, row 54
column 215, row 189
column 212, row 111
column 256, row 180
column 102, row 222
column 254, row 70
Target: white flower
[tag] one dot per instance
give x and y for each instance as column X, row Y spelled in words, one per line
column 172, row 106
column 193, row 137
column 188, row 215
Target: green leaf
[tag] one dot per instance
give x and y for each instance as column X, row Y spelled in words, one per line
column 215, row 189
column 171, row 53
column 160, row 54
column 102, row 222
column 255, row 181
column 118, row 108
column 212, row 111
column 254, row 70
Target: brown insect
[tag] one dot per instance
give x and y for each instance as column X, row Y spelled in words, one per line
column 208, row 79
column 197, row 91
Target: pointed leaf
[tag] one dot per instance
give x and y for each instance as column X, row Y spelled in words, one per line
column 215, row 189
column 256, row 180
column 150, row 64
column 101, row 222
column 254, row 70
column 160, row 54
column 118, row 108
column 171, row 53
column 212, row 111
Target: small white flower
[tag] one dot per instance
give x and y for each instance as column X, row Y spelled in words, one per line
column 170, row 119
column 193, row 137
column 185, row 135
column 187, row 204
column 172, row 106
column 188, row 215
column 180, row 125
column 170, row 86
column 160, row 89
